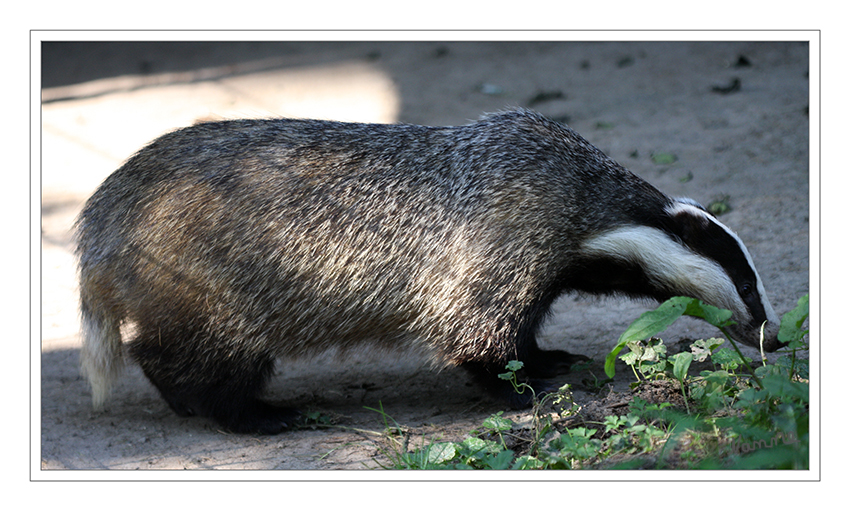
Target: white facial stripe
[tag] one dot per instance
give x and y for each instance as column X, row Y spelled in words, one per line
column 671, row 266
column 686, row 205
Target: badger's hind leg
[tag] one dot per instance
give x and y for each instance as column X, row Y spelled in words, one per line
column 197, row 374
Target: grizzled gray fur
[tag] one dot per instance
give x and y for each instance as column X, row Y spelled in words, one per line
column 223, row 246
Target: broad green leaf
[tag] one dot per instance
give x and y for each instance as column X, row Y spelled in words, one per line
column 702, row 348
column 781, row 387
column 681, row 363
column 528, row 463
column 497, row 423
column 501, row 461
column 711, row 314
column 651, row 322
column 474, row 444
column 441, row 452
column 789, row 329
column 726, row 358
column 514, row 365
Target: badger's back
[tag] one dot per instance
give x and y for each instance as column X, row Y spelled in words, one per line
column 364, row 232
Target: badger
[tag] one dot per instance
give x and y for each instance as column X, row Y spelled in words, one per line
column 225, row 246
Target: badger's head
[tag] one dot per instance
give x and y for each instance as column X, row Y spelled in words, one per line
column 726, row 276
column 692, row 254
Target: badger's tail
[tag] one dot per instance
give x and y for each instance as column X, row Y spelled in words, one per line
column 102, row 354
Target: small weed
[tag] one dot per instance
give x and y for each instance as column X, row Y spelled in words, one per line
column 664, row 158
column 719, row 206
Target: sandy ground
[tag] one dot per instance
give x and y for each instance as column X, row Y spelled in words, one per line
column 102, row 102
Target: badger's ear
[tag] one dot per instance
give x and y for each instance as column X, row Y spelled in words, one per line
column 687, row 201
column 687, row 219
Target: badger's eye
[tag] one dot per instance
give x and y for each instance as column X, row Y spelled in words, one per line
column 746, row 289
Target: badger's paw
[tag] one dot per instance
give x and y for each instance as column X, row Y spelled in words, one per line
column 259, row 417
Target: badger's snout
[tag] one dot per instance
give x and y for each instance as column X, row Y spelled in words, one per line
column 766, row 338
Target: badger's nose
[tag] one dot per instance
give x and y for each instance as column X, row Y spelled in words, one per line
column 772, row 344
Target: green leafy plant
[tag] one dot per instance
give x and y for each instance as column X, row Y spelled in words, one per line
column 652, row 322
column 732, row 419
column 757, row 409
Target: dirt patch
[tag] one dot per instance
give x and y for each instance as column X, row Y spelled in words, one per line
column 734, row 115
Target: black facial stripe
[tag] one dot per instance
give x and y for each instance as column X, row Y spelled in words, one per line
column 701, row 233
column 715, row 242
